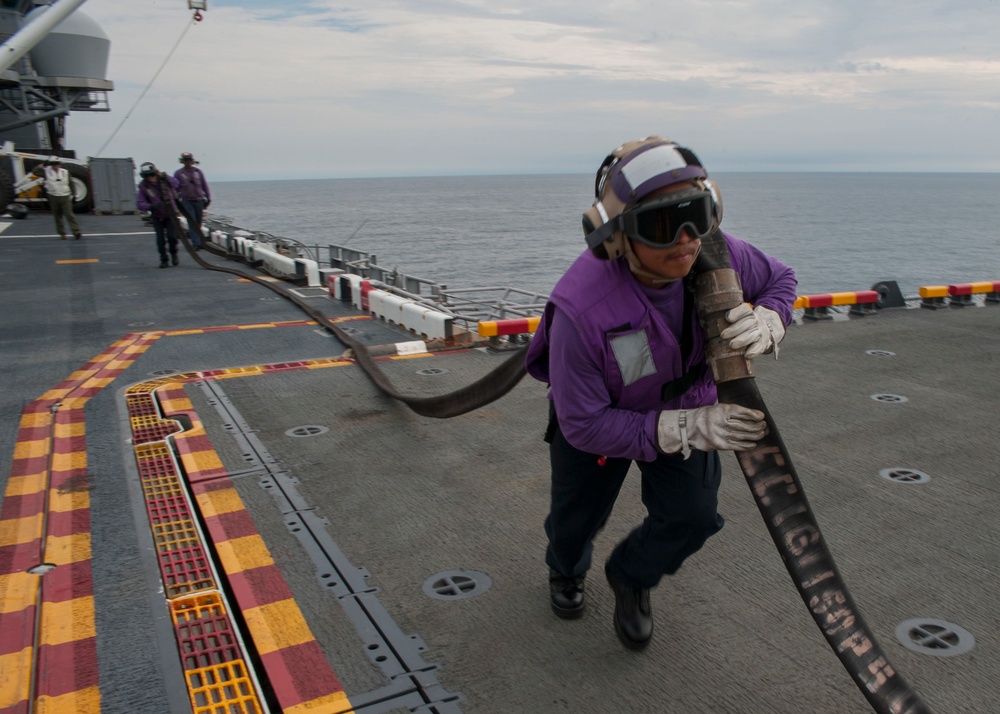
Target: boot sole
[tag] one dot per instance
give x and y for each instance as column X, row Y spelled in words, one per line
column 565, row 614
column 634, row 645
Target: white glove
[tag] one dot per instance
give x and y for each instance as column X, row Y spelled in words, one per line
column 756, row 331
column 720, row 427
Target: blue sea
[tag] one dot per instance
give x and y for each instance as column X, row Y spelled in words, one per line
column 839, row 231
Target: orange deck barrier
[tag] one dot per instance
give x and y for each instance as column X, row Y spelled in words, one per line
column 862, row 303
column 495, row 328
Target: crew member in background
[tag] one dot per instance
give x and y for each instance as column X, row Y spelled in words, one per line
column 158, row 194
column 194, row 194
column 624, row 354
column 59, row 191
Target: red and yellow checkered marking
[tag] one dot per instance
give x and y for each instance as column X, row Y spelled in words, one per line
column 274, row 621
column 46, row 586
column 47, row 616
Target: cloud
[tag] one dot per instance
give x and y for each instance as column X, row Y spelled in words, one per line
column 321, row 88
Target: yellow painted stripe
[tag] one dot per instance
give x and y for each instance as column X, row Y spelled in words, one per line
column 987, row 286
column 67, row 621
column 63, row 430
column 932, row 291
column 69, row 462
column 276, row 626
column 179, row 404
column 244, row 553
column 336, row 703
column 28, row 484
column 17, row 592
column 31, row 449
column 37, row 419
column 75, row 499
column 62, row 550
column 15, row 677
column 82, row 701
column 97, row 382
column 215, row 503
column 80, row 260
column 201, row 461
column 17, row 531
column 413, row 356
column 844, row 298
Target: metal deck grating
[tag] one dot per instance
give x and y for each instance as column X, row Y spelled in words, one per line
column 151, row 428
column 217, row 676
column 140, row 405
column 212, row 655
column 186, row 571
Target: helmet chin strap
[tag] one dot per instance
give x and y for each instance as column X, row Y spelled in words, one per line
column 635, row 266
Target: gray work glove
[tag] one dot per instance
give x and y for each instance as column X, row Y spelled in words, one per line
column 720, row 427
column 756, row 331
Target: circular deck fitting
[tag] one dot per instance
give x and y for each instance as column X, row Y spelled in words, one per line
column 901, row 474
column 456, row 585
column 163, row 373
column 432, row 371
column 934, row 637
column 889, row 398
column 307, row 430
column 880, row 353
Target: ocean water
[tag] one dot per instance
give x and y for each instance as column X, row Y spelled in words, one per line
column 839, row 231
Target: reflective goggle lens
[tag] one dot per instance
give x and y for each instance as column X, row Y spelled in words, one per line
column 659, row 222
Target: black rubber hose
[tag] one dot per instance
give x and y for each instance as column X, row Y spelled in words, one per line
column 782, row 502
column 487, row 389
column 768, row 470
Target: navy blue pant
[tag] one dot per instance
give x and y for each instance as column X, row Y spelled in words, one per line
column 195, row 210
column 681, row 499
column 165, row 235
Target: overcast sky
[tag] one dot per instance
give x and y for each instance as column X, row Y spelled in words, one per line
column 340, row 88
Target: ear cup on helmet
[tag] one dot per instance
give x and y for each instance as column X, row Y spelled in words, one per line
column 627, row 175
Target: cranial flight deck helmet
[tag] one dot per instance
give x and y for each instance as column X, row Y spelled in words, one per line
column 148, row 169
column 633, row 171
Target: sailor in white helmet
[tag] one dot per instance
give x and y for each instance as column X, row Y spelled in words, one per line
column 622, row 349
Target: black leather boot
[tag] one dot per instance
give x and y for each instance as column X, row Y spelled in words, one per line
column 566, row 595
column 633, row 615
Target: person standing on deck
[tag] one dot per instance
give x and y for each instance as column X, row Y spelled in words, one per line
column 59, row 191
column 623, row 352
column 194, row 194
column 157, row 194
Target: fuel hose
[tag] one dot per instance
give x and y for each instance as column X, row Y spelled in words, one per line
column 778, row 493
column 487, row 389
column 767, row 467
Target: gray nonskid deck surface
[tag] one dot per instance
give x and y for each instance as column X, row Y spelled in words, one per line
column 408, row 497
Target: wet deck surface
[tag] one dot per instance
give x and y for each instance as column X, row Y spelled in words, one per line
column 338, row 519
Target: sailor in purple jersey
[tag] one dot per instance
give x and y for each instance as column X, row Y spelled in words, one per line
column 157, row 194
column 622, row 350
column 195, row 195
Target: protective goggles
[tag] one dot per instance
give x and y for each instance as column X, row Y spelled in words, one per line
column 658, row 222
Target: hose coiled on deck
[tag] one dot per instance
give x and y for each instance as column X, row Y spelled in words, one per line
column 487, row 389
column 768, row 470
